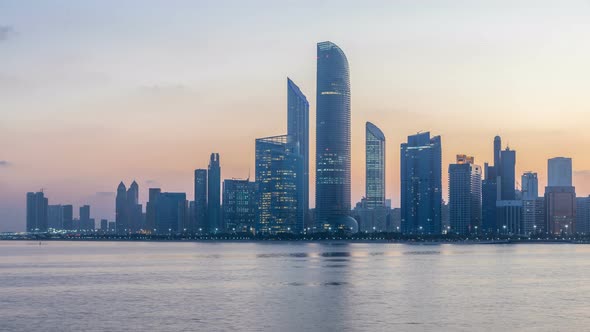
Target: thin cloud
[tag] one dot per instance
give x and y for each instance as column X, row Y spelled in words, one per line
column 6, row 31
column 4, row 163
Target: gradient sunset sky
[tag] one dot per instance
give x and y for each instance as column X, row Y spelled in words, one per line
column 95, row 92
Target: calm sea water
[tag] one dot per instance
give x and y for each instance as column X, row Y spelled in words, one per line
column 159, row 286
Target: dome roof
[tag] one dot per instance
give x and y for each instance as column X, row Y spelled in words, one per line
column 345, row 223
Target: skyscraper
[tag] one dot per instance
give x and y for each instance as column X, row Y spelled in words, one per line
column 421, row 187
column 560, row 197
column 55, row 216
column 68, row 217
column 276, row 178
column 298, row 130
column 121, row 215
column 134, row 208
column 151, row 210
column 239, row 205
column 507, row 175
column 559, row 172
column 489, row 196
column 86, row 223
column 171, row 212
column 375, row 166
column 200, row 213
column 530, row 186
column 332, row 138
column 36, row 212
column 464, row 196
column 214, row 195
column 497, row 152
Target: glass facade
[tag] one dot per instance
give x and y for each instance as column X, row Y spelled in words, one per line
column 375, row 166
column 421, row 187
column 298, row 130
column 465, row 196
column 239, row 205
column 200, row 205
column 214, row 224
column 332, row 137
column 276, row 178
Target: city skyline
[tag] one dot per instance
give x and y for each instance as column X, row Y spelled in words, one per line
column 98, row 148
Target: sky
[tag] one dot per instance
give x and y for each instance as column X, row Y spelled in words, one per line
column 97, row 92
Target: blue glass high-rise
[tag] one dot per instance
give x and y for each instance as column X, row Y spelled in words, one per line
column 298, row 131
column 276, row 178
column 332, row 137
column 421, row 187
column 375, row 166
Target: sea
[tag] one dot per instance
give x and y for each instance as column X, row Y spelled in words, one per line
column 290, row 286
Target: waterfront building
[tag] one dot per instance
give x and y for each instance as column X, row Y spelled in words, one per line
column 214, row 223
column 37, row 212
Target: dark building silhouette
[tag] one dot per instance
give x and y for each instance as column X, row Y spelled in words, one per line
column 239, row 205
column 560, row 197
column 171, row 212
column 298, row 131
column 276, row 178
column 507, row 175
column 85, row 222
column 135, row 209
column 464, row 196
column 530, row 186
column 104, row 225
column 583, row 215
column 151, row 210
column 55, row 217
column 421, row 184
column 37, row 212
column 121, row 211
column 200, row 205
column 129, row 213
column 332, row 138
column 214, row 195
column 68, row 217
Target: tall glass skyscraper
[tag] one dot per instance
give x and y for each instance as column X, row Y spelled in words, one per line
column 332, row 137
column 200, row 206
column 36, row 212
column 464, row 196
column 276, row 178
column 507, row 175
column 421, row 184
column 375, row 166
column 298, row 131
column 214, row 195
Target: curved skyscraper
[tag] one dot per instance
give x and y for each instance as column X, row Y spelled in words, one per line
column 332, row 137
column 375, row 166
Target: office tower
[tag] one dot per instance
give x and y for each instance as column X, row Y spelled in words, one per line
column 374, row 166
column 55, row 216
column 239, row 205
column 86, row 224
column 298, row 130
column 151, row 209
column 276, row 178
column 332, row 138
column 134, row 209
column 509, row 214
column 214, row 195
column 104, row 225
column 530, row 186
column 497, row 152
column 200, row 213
column 371, row 212
column 560, row 197
column 121, row 211
column 559, row 172
column 507, row 175
column 583, row 215
column 489, row 196
column 112, row 227
column 36, row 212
column 464, row 196
column 533, row 216
column 68, row 217
column 421, row 187
column 171, row 211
